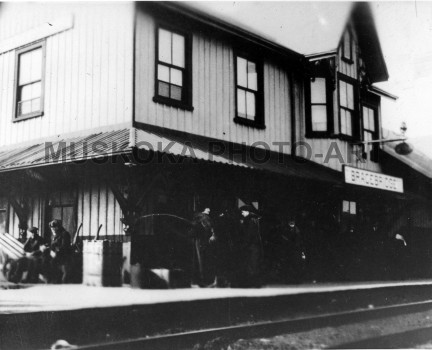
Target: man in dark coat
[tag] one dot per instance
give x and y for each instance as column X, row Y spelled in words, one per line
column 398, row 257
column 33, row 243
column 295, row 255
column 60, row 252
column 203, row 236
column 32, row 247
column 226, row 227
column 251, row 248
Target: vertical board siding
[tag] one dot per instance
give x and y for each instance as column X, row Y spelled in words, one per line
column 97, row 206
column 88, row 70
column 213, row 92
column 35, row 204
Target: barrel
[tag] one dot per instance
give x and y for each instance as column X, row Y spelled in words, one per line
column 102, row 263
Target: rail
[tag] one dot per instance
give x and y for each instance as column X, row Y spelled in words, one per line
column 187, row 340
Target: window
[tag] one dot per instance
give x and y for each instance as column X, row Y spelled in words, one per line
column 319, row 122
column 248, row 92
column 349, row 207
column 347, row 47
column 370, row 132
column 29, row 82
column 347, row 110
column 172, row 69
column 319, row 105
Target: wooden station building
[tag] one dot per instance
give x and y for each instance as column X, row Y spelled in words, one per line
column 113, row 111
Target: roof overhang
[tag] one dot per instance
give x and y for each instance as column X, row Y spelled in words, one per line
column 101, row 146
column 380, row 92
column 363, row 21
column 217, row 25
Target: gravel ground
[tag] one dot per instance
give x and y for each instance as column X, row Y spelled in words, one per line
column 331, row 336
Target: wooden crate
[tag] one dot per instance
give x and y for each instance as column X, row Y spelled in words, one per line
column 102, row 263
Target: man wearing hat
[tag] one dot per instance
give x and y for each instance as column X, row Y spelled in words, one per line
column 34, row 242
column 251, row 247
column 60, row 252
column 203, row 236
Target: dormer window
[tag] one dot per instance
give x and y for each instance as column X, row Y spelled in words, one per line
column 347, row 47
column 173, row 83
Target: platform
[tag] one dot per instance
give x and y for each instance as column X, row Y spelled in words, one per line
column 39, row 298
column 36, row 316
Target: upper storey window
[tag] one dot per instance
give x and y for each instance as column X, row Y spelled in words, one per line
column 172, row 69
column 347, row 47
column 319, row 105
column 29, row 82
column 370, row 132
column 319, row 122
column 249, row 92
column 347, row 110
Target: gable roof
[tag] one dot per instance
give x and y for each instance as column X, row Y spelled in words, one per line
column 308, row 28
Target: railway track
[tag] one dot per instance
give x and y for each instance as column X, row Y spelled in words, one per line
column 187, row 340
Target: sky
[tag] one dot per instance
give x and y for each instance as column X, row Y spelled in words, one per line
column 405, row 33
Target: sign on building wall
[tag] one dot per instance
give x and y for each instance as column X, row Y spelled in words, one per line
column 367, row 178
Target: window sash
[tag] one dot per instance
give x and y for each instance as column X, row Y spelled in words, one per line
column 29, row 88
column 346, row 118
column 171, row 65
column 346, row 107
column 171, row 48
column 370, row 133
column 318, row 110
column 369, row 119
column 247, row 88
column 347, row 46
column 246, row 103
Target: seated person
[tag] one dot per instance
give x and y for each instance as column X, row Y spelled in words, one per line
column 33, row 243
column 26, row 269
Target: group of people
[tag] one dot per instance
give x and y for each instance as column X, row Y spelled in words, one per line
column 217, row 248
column 228, row 250
column 50, row 260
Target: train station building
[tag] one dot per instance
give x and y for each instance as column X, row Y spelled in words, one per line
column 113, row 114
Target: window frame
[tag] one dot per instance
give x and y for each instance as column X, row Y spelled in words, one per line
column 310, row 133
column 259, row 121
column 351, row 204
column 375, row 134
column 22, row 50
column 186, row 101
column 355, row 122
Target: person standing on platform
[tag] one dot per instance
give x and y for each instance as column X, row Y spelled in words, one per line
column 203, row 236
column 398, row 257
column 251, row 248
column 61, row 253
column 296, row 254
column 225, row 254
